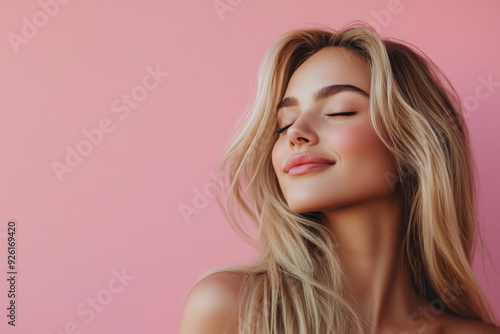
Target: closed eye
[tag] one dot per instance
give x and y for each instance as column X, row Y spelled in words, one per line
column 283, row 129
column 346, row 113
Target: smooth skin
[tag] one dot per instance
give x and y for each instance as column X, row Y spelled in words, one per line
column 360, row 206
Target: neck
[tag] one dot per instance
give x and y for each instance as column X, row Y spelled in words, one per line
column 369, row 239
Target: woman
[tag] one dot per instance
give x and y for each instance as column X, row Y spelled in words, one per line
column 355, row 166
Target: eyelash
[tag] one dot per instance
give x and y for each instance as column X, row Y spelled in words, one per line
column 346, row 113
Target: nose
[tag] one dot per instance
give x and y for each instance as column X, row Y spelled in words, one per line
column 302, row 131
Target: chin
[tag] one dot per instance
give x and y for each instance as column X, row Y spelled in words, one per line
column 301, row 207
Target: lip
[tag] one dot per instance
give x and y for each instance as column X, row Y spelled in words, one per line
column 306, row 162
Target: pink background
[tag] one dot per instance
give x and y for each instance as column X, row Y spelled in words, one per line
column 118, row 209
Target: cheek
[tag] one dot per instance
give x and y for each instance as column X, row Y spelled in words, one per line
column 277, row 156
column 358, row 141
column 346, row 141
column 278, row 159
column 364, row 159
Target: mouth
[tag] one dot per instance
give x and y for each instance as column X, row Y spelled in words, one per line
column 306, row 162
column 308, row 168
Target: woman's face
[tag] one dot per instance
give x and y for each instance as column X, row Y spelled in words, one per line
column 361, row 169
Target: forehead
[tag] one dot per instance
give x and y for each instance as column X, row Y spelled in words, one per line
column 330, row 65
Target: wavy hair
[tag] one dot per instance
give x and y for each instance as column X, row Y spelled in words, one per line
column 296, row 284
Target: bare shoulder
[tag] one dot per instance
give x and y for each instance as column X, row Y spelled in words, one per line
column 212, row 305
column 457, row 325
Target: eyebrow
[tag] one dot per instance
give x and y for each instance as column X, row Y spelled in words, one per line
column 322, row 93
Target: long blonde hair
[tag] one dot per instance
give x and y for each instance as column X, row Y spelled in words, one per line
column 296, row 285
